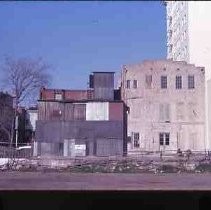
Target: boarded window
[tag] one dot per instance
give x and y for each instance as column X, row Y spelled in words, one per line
column 135, row 110
column 178, row 82
column 191, row 82
column 135, row 83
column 193, row 140
column 148, row 81
column 193, row 112
column 164, row 138
column 128, row 84
column 58, row 96
column 164, row 112
column 97, row 111
column 180, row 111
column 163, row 82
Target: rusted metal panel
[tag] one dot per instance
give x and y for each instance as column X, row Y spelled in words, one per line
column 79, row 111
column 97, row 111
column 116, row 111
column 75, row 95
column 68, row 111
column 53, row 110
column 47, row 94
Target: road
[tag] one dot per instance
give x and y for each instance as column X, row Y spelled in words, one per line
column 67, row 181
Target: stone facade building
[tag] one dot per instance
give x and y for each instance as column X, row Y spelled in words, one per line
column 166, row 106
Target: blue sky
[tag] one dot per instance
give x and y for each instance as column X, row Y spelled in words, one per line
column 77, row 38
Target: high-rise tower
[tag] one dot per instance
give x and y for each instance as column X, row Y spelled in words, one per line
column 188, row 39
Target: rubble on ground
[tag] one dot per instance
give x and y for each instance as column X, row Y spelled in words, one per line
column 109, row 165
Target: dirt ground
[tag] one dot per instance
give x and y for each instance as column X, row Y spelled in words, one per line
column 99, row 181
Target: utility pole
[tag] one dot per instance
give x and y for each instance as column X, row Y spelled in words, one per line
column 16, row 131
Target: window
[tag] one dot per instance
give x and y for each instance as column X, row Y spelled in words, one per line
column 161, row 138
column 170, row 48
column 164, row 113
column 135, row 84
column 128, row 84
column 170, row 20
column 164, row 138
column 178, row 82
column 148, row 80
column 136, row 139
column 170, row 34
column 58, row 96
column 190, row 82
column 163, row 82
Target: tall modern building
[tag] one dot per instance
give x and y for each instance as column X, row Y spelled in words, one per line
column 188, row 39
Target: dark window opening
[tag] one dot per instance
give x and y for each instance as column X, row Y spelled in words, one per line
column 136, row 139
column 191, row 83
column 163, row 82
column 164, row 138
column 128, row 84
column 135, row 84
column 178, row 82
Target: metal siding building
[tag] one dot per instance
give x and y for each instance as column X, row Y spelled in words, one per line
column 100, row 135
column 76, row 124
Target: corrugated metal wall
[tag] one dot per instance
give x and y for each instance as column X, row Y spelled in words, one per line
column 58, row 131
column 98, row 125
column 79, row 111
column 109, row 147
column 68, row 111
column 41, row 110
column 53, row 110
column 50, row 149
column 104, row 86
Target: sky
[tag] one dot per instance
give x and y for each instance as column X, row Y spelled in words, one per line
column 76, row 38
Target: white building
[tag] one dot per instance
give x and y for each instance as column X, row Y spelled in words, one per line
column 166, row 106
column 188, row 39
column 32, row 116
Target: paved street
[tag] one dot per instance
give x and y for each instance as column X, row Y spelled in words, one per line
column 67, row 181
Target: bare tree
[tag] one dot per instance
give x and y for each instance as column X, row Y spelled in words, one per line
column 24, row 77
